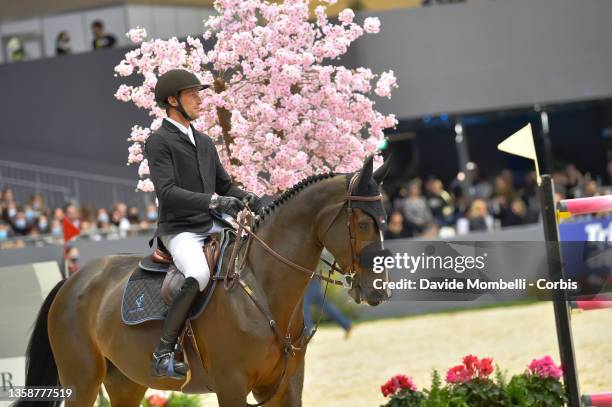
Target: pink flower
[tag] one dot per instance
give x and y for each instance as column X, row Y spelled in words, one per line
column 371, row 25
column 346, row 16
column 124, row 93
column 145, row 185
column 143, row 169
column 545, row 367
column 136, row 35
column 385, row 83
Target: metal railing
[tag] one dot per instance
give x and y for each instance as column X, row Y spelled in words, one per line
column 59, row 186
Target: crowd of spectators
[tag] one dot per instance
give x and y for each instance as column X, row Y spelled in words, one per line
column 429, row 209
column 33, row 222
column 425, row 209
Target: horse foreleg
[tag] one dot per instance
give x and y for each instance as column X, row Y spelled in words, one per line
column 122, row 391
column 230, row 389
column 289, row 394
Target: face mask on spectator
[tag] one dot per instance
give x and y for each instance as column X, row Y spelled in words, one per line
column 42, row 225
column 20, row 224
column 57, row 231
column 29, row 214
column 3, row 234
column 103, row 218
column 12, row 212
column 152, row 216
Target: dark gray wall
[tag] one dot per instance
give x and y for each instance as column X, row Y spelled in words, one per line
column 61, row 112
column 481, row 55
column 489, row 55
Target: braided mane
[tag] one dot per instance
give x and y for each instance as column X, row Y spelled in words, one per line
column 287, row 194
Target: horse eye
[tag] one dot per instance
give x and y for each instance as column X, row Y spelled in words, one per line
column 364, row 225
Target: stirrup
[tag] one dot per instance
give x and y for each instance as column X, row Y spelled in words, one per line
column 158, row 360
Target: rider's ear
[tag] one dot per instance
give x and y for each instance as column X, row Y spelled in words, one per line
column 382, row 171
column 172, row 101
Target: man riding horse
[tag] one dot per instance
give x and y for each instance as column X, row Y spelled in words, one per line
column 191, row 187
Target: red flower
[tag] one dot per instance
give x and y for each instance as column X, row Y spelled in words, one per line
column 396, row 383
column 458, row 374
column 388, row 388
column 157, row 401
column 405, row 382
column 471, row 364
column 485, row 367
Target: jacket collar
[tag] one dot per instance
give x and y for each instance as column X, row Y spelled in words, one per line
column 172, row 128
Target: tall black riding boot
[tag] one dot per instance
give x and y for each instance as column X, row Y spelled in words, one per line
column 164, row 364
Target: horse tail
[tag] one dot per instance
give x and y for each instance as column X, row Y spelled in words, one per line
column 41, row 369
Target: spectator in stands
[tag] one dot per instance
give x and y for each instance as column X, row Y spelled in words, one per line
column 590, row 188
column 62, row 43
column 122, row 208
column 516, row 215
column 103, row 220
column 37, row 204
column 101, row 38
column 152, row 213
column 20, row 224
column 478, row 216
column 395, row 227
column 439, row 201
column 58, row 214
column 10, row 210
column 30, row 214
column 56, row 228
column 43, row 224
column 72, row 214
column 7, row 196
column 5, row 232
column 133, row 215
column 574, row 181
column 415, row 209
column 72, row 258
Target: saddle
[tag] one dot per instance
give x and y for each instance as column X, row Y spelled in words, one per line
column 160, row 261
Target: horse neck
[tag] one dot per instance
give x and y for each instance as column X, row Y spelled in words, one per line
column 292, row 232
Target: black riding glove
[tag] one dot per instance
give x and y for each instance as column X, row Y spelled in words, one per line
column 227, row 204
column 253, row 201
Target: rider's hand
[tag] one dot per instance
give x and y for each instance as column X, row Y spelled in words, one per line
column 253, row 201
column 227, row 204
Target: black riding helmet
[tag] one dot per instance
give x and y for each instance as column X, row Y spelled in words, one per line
column 171, row 84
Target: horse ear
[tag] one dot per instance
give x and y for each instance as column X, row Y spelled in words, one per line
column 382, row 171
column 365, row 174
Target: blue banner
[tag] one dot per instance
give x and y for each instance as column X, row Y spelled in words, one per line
column 590, row 261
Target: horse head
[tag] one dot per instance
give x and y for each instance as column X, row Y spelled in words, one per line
column 356, row 224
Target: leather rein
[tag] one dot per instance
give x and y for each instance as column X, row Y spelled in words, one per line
column 233, row 276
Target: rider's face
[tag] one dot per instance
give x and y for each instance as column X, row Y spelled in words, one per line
column 191, row 101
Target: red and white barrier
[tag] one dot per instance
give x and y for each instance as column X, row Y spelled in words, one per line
column 581, row 206
column 601, row 301
column 597, row 400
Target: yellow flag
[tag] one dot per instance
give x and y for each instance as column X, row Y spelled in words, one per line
column 521, row 144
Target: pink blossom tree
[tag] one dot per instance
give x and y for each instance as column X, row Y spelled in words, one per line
column 277, row 110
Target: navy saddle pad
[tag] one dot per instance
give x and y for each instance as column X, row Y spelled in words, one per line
column 142, row 300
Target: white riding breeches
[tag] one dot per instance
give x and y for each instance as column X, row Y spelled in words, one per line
column 187, row 253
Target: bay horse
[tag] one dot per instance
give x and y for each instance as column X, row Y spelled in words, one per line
column 80, row 340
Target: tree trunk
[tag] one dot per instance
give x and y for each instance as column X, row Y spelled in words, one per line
column 225, row 121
